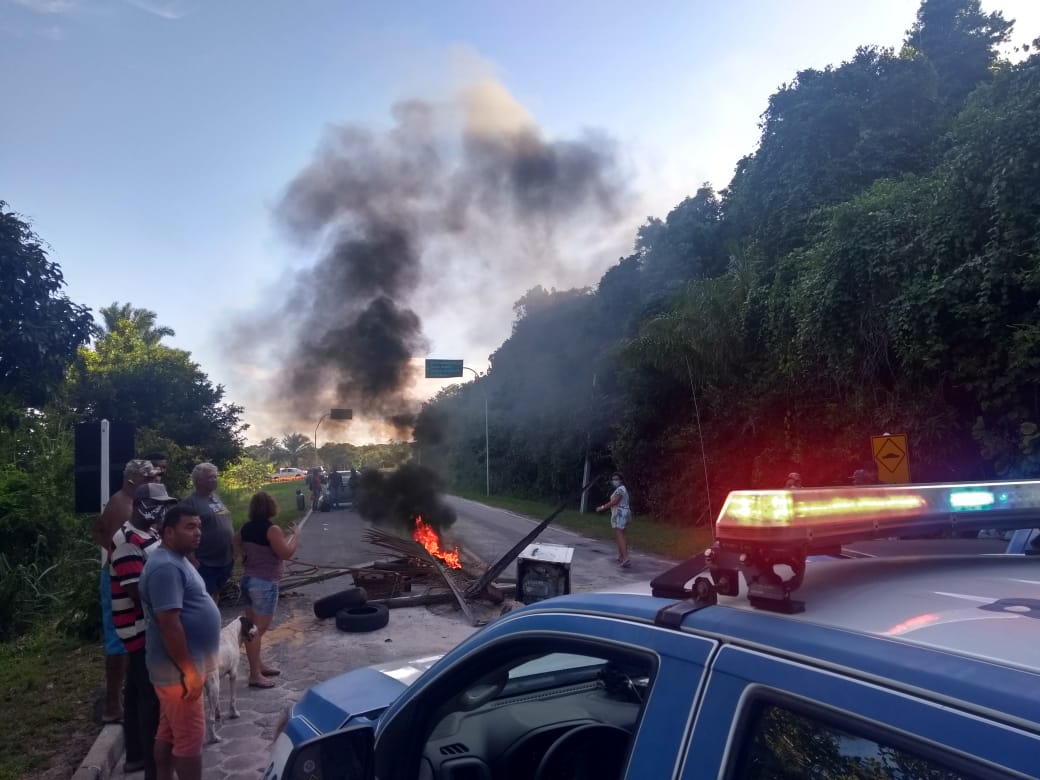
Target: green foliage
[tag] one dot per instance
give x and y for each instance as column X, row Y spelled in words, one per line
column 126, row 378
column 247, row 474
column 296, row 446
column 40, row 328
column 143, row 321
column 873, row 266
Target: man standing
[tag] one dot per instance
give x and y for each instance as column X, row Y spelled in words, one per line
column 158, row 459
column 620, row 514
column 216, row 554
column 182, row 641
column 115, row 514
column 131, row 547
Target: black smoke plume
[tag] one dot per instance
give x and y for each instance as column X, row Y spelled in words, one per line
column 458, row 207
column 395, row 499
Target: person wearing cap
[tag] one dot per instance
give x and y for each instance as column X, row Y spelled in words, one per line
column 215, row 555
column 131, row 546
column 116, row 513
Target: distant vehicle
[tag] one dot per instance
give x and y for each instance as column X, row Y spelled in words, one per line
column 902, row 667
column 340, row 491
column 288, row 475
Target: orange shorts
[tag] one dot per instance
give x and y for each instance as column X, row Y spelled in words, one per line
column 182, row 723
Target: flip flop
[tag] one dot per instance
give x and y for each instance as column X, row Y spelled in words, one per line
column 261, row 684
column 270, row 672
column 626, row 564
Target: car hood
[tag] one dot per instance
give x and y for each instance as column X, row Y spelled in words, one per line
column 359, row 693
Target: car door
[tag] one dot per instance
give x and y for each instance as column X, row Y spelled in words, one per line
column 546, row 695
column 764, row 717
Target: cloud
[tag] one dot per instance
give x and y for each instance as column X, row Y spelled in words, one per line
column 165, row 9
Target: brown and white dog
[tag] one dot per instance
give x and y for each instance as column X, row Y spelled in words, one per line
column 232, row 636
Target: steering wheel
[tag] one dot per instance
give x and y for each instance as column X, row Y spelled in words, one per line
column 595, row 751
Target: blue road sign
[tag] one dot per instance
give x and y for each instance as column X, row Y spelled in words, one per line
column 443, row 369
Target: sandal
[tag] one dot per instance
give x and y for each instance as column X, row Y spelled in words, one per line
column 626, row 564
column 261, row 684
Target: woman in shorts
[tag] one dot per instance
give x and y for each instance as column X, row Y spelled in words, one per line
column 265, row 549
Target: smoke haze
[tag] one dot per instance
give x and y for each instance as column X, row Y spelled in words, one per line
column 454, row 211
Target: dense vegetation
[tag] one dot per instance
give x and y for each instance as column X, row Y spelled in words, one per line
column 873, row 266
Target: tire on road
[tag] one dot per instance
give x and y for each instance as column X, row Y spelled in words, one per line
column 328, row 606
column 368, row 617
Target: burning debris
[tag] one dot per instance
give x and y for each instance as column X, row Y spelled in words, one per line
column 396, row 499
column 426, row 536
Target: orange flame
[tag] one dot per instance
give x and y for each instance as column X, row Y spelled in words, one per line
column 427, row 536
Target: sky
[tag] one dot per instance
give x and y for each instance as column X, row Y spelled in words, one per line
column 164, row 149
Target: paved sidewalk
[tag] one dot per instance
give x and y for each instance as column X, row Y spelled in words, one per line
column 307, row 651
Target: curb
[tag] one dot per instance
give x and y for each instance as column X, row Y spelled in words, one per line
column 104, row 754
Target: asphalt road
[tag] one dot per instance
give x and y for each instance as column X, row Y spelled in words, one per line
column 335, row 539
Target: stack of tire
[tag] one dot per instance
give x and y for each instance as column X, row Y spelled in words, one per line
column 352, row 611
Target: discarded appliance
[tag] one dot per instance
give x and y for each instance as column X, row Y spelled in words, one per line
column 543, row 571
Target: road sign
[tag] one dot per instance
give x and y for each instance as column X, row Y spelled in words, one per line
column 443, row 369
column 341, row 414
column 892, row 457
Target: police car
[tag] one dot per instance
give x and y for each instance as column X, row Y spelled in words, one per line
column 768, row 656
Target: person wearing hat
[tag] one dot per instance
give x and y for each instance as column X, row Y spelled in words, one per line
column 116, row 512
column 131, row 546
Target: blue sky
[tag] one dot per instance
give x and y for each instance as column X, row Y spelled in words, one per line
column 149, row 141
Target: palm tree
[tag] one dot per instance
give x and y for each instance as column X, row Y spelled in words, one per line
column 142, row 320
column 296, row 444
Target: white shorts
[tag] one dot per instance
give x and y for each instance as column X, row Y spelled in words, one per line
column 619, row 520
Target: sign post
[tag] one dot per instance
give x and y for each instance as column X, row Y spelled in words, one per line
column 892, row 458
column 443, row 369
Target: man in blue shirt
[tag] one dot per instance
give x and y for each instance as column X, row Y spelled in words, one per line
column 182, row 641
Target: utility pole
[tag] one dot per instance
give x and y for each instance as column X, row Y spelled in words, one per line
column 587, row 472
column 487, row 442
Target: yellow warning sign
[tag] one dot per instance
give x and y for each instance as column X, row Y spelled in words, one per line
column 892, row 457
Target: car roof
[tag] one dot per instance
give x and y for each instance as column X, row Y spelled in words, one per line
column 982, row 606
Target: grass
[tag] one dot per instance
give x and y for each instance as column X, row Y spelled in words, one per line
column 644, row 533
column 237, row 500
column 46, row 691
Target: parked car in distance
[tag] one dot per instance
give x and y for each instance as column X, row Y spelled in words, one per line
column 288, row 474
column 901, row 667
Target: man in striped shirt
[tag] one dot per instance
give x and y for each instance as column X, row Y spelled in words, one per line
column 131, row 545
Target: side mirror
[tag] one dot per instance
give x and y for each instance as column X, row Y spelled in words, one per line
column 342, row 755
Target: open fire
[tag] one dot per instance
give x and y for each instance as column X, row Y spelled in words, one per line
column 427, row 536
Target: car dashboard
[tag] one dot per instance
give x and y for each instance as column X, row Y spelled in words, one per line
column 581, row 728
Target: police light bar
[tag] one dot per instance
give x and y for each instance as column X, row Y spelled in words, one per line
column 824, row 517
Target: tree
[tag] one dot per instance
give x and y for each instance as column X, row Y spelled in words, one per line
column 142, row 320
column 153, row 386
column 295, row 445
column 268, row 451
column 959, row 41
column 40, row 328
